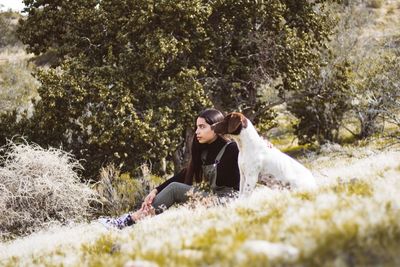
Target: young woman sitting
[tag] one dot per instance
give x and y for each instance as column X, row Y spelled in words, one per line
column 213, row 162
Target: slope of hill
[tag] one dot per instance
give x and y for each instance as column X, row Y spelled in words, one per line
column 17, row 85
column 351, row 220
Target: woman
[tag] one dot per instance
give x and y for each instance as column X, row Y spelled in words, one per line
column 213, row 162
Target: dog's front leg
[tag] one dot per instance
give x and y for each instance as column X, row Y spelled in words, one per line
column 249, row 184
column 242, row 182
column 248, row 181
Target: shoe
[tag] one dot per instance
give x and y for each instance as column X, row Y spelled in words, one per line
column 119, row 223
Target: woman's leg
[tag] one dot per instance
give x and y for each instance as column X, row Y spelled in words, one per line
column 174, row 193
column 124, row 220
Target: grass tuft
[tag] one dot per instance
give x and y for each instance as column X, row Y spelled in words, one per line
column 375, row 3
column 355, row 187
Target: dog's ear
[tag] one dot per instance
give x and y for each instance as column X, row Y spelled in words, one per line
column 244, row 120
column 234, row 121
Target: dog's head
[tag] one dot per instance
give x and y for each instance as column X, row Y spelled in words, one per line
column 233, row 123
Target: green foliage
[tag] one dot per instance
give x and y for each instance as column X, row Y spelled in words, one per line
column 264, row 44
column 126, row 102
column 132, row 75
column 321, row 104
column 8, row 125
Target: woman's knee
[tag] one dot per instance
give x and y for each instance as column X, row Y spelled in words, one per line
column 174, row 186
column 179, row 191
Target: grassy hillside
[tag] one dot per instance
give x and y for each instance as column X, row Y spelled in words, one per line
column 17, row 85
column 353, row 219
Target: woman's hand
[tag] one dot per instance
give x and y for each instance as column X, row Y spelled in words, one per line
column 149, row 199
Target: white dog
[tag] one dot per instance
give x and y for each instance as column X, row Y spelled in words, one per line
column 256, row 157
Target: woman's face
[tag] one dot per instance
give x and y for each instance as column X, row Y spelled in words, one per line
column 204, row 134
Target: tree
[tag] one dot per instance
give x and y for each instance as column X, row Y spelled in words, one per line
column 322, row 103
column 377, row 94
column 262, row 44
column 373, row 93
column 126, row 94
column 132, row 74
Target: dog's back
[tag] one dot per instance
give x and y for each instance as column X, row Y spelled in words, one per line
column 287, row 169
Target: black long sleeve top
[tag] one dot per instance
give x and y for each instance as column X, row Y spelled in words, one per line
column 227, row 169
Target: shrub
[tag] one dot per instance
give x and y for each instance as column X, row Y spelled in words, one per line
column 8, row 28
column 17, row 85
column 119, row 192
column 376, row 95
column 39, row 187
column 322, row 103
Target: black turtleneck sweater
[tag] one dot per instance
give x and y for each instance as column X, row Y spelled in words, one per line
column 227, row 169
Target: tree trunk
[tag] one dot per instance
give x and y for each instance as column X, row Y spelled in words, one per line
column 368, row 125
column 181, row 156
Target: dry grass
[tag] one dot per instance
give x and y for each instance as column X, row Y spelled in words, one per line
column 120, row 193
column 351, row 220
column 375, row 3
column 17, row 85
column 14, row 54
column 39, row 187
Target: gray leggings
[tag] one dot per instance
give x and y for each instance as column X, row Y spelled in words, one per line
column 174, row 193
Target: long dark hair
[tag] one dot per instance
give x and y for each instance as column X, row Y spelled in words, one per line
column 193, row 170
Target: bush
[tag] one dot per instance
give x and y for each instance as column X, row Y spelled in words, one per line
column 321, row 104
column 8, row 26
column 39, row 187
column 377, row 94
column 119, row 192
column 18, row 86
